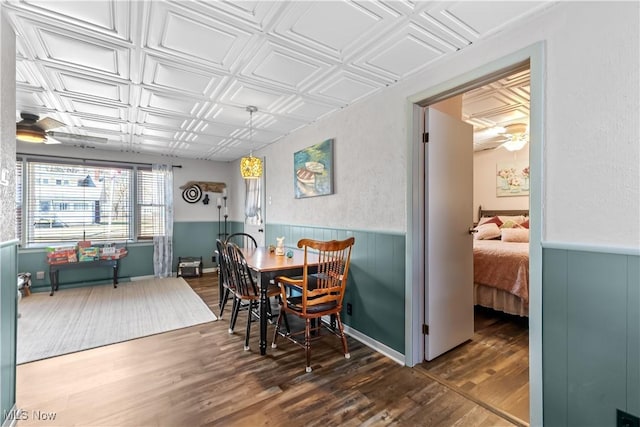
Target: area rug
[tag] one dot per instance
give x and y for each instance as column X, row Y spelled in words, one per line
column 88, row 317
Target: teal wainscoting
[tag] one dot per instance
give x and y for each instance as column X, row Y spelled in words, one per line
column 190, row 239
column 8, row 317
column 138, row 262
column 591, row 336
column 198, row 239
column 376, row 279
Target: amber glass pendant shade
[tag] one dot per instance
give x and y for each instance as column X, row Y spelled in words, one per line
column 251, row 167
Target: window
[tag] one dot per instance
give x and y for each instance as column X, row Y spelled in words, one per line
column 19, row 199
column 87, row 202
column 151, row 207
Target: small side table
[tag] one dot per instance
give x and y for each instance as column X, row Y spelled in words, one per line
column 54, row 270
column 189, row 267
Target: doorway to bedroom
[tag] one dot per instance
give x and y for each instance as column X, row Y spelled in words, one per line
column 490, row 364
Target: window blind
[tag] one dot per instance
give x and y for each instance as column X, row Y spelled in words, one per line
column 68, row 200
column 19, row 199
column 150, row 194
column 72, row 202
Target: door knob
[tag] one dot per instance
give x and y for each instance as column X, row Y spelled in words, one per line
column 260, row 230
column 472, row 230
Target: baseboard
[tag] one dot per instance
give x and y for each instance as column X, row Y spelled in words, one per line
column 375, row 345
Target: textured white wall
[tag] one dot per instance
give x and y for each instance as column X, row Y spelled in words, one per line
column 369, row 170
column 199, row 170
column 484, row 180
column 592, row 153
column 7, row 131
column 591, row 181
column 192, row 170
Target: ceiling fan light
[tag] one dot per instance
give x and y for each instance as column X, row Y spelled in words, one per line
column 251, row 167
column 515, row 144
column 30, row 135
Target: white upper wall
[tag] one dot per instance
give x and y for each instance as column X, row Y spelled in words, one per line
column 369, row 170
column 7, row 131
column 591, row 181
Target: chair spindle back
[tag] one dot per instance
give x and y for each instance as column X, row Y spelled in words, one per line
column 240, row 272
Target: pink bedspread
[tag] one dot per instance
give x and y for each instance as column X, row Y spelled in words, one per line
column 502, row 265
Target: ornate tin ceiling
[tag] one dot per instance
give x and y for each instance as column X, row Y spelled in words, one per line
column 174, row 78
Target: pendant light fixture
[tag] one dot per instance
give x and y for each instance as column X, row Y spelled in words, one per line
column 251, row 167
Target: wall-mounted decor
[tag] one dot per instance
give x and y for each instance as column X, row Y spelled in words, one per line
column 192, row 194
column 512, row 179
column 206, row 186
column 313, row 170
column 192, row 190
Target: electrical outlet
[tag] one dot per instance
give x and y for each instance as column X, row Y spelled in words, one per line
column 624, row 419
column 39, row 275
column 213, row 258
column 349, row 309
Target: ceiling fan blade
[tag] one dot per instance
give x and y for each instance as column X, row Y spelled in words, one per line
column 77, row 138
column 50, row 140
column 49, row 123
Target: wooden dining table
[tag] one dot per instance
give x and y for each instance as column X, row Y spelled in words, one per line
column 268, row 266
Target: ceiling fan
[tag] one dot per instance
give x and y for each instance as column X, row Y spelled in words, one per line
column 33, row 129
column 512, row 137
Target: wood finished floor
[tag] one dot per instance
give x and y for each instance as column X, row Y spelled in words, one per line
column 200, row 376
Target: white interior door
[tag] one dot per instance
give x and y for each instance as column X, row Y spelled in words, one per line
column 448, row 244
column 255, row 226
column 256, row 231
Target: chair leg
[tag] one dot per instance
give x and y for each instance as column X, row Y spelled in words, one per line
column 234, row 314
column 269, row 311
column 286, row 321
column 248, row 333
column 344, row 338
column 307, row 344
column 275, row 334
column 223, row 303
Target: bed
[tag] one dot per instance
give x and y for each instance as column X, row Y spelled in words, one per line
column 501, row 261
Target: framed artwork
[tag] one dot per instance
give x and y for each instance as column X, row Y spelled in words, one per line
column 512, row 179
column 313, row 170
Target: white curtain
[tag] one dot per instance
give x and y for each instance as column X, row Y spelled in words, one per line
column 163, row 240
column 253, row 208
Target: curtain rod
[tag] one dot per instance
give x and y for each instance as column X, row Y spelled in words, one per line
column 90, row 160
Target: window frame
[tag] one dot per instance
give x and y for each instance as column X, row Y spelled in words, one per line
column 134, row 224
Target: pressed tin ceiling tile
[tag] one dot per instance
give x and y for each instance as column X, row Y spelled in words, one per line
column 175, row 77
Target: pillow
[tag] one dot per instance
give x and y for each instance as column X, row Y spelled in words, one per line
column 487, row 231
column 515, row 235
column 518, row 219
column 525, row 224
column 488, row 220
column 510, row 224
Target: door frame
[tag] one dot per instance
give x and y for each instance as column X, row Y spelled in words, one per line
column 414, row 289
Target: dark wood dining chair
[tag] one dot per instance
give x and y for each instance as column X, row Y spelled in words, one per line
column 244, row 289
column 316, row 294
column 243, row 240
column 224, row 275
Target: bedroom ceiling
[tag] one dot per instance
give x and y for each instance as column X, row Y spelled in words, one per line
column 174, row 78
